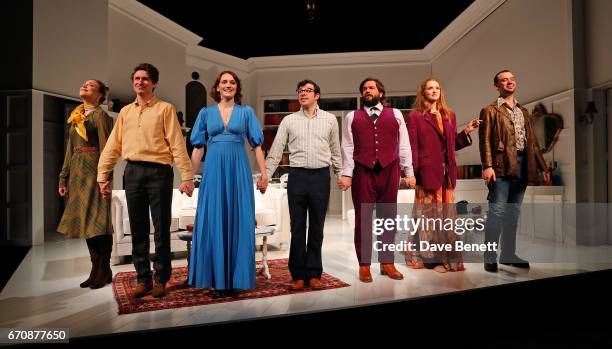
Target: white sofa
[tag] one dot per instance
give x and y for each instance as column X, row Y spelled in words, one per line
column 271, row 208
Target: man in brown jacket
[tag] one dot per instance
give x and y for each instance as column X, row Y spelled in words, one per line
column 511, row 158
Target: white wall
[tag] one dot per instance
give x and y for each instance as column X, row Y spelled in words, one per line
column 598, row 43
column 531, row 38
column 70, row 44
column 131, row 43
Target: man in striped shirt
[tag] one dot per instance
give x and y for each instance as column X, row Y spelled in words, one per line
column 313, row 140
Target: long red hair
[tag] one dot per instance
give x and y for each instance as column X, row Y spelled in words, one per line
column 423, row 105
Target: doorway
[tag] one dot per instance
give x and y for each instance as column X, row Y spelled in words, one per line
column 55, row 112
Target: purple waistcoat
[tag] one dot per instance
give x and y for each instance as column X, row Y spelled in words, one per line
column 375, row 142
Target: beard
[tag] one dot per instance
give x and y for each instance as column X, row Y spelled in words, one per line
column 370, row 103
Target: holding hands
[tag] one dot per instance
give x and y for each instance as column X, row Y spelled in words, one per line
column 345, row 182
column 410, row 182
column 262, row 184
column 105, row 189
column 187, row 187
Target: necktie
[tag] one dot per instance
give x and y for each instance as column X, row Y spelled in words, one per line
column 374, row 114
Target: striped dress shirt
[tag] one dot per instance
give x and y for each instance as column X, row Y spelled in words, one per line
column 313, row 142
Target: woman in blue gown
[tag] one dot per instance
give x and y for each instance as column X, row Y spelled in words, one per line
column 223, row 252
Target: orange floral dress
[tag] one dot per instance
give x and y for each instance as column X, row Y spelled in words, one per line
column 436, row 204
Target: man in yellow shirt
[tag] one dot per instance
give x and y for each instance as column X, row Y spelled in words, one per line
column 148, row 136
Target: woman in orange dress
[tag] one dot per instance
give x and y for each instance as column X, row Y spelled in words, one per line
column 432, row 127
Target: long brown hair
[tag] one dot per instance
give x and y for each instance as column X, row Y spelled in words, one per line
column 423, row 105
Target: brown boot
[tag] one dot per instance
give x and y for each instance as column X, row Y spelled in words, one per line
column 142, row 289
column 159, row 290
column 315, row 284
column 93, row 256
column 297, row 285
column 104, row 274
column 364, row 273
column 389, row 270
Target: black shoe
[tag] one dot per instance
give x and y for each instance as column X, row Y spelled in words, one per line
column 233, row 293
column 514, row 261
column 218, row 294
column 491, row 267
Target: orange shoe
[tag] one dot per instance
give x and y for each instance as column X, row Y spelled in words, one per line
column 364, row 273
column 159, row 290
column 389, row 270
column 315, row 284
column 297, row 285
column 142, row 289
column 415, row 265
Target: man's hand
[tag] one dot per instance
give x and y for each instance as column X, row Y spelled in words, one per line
column 62, row 191
column 488, row 175
column 546, row 177
column 187, row 187
column 105, row 189
column 410, row 182
column 262, row 184
column 345, row 182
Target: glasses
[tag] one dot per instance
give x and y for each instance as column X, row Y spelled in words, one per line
column 304, row 90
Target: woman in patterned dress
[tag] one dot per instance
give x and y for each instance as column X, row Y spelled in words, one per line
column 86, row 214
column 432, row 127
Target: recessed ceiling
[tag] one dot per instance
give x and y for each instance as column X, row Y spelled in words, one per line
column 273, row 28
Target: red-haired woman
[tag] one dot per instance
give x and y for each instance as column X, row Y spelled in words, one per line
column 432, row 127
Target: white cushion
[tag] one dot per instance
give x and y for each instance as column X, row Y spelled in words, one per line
column 350, row 215
column 174, row 225
column 405, row 196
column 265, row 216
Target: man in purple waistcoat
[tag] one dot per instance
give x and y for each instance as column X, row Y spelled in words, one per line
column 375, row 147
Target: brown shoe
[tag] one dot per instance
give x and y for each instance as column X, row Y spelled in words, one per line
column 315, row 284
column 159, row 290
column 142, row 289
column 389, row 270
column 297, row 285
column 364, row 273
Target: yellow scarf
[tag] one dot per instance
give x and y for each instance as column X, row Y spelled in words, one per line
column 77, row 118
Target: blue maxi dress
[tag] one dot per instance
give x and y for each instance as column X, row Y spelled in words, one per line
column 223, row 246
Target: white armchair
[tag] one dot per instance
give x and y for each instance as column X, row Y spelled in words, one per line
column 272, row 208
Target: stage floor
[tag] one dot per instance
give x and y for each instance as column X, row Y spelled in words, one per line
column 44, row 291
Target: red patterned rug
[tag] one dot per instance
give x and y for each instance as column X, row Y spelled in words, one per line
column 178, row 296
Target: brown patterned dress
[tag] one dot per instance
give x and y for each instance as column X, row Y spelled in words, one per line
column 86, row 213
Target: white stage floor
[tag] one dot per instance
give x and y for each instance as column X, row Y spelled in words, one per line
column 44, row 291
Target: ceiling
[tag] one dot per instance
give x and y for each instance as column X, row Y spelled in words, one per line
column 276, row 27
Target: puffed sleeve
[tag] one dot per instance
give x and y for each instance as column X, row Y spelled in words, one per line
column 253, row 131
column 199, row 134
